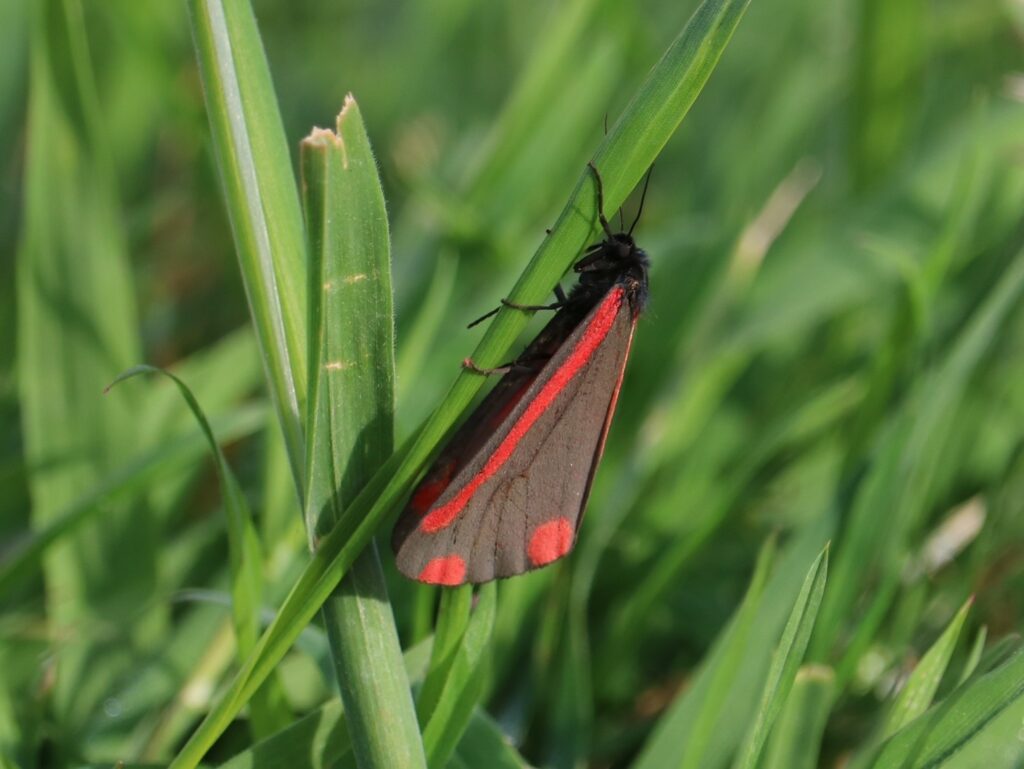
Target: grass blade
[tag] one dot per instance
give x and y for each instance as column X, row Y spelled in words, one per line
column 320, row 738
column 452, row 621
column 76, row 328
column 463, row 685
column 948, row 726
column 974, row 657
column 920, row 688
column 796, row 739
column 262, row 202
column 351, row 424
column 676, row 728
column 891, row 501
column 21, row 562
column 723, row 670
column 245, row 559
column 483, row 744
column 887, row 84
column 789, row 655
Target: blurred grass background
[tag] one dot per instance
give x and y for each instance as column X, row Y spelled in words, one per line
column 834, row 350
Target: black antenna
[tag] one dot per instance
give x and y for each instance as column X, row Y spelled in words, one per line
column 600, row 201
column 622, row 223
column 643, row 196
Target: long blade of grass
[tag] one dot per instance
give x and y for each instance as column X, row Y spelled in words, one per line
column 889, row 57
column 76, row 327
column 892, row 500
column 796, row 739
column 463, row 685
column 676, row 728
column 932, row 738
column 789, row 655
column 974, row 656
column 22, row 561
column 220, row 376
column 245, row 559
column 262, row 201
column 916, row 695
column 452, row 621
column 484, row 744
column 722, row 672
column 320, row 738
column 625, row 155
column 351, row 424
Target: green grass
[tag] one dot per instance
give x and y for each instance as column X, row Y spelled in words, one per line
column 829, row 374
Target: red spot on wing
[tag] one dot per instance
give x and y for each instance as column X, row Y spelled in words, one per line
column 550, row 541
column 447, row 570
column 431, row 488
column 595, row 333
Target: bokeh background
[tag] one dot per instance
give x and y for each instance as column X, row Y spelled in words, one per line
column 833, row 350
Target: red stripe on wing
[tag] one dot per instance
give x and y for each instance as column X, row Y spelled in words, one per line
column 597, row 329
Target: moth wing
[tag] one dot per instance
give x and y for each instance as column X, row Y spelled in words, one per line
column 527, row 514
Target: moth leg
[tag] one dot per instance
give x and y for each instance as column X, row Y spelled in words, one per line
column 519, row 364
column 556, row 305
column 484, row 317
column 502, row 369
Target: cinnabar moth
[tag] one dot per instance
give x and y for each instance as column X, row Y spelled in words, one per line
column 507, row 492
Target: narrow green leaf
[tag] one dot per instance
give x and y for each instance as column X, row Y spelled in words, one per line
column 484, row 745
column 245, row 559
column 796, row 739
column 998, row 653
column 569, row 688
column 624, row 157
column 974, row 658
column 193, row 656
column 916, row 695
column 220, row 375
column 452, row 622
column 936, row 735
column 320, row 738
column 137, row 475
column 677, row 727
column 351, row 424
column 463, row 685
column 722, row 672
column 889, row 57
column 262, row 201
column 416, row 345
column 788, row 657
column 895, row 496
column 76, row 328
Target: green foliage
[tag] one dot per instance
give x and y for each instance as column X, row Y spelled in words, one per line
column 350, row 423
column 832, row 353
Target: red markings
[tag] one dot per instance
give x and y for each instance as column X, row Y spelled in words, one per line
column 426, row 495
column 550, row 541
column 448, row 570
column 597, row 329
